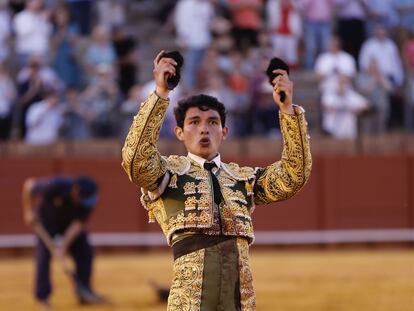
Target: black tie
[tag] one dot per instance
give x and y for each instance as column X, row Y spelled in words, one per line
column 218, row 197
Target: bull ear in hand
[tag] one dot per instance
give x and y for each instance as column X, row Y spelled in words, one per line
column 173, row 81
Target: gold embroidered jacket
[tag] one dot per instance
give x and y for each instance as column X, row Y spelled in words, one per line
column 187, row 205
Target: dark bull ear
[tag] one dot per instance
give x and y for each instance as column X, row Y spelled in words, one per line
column 175, row 55
column 276, row 63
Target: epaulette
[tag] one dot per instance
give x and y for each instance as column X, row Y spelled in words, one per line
column 177, row 164
column 239, row 173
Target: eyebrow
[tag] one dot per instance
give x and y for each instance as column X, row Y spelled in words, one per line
column 197, row 118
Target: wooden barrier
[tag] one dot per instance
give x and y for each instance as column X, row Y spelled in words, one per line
column 344, row 192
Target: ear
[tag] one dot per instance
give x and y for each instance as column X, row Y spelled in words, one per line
column 225, row 131
column 179, row 133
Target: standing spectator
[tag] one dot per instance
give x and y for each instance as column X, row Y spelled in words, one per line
column 100, row 51
column 217, row 87
column 408, row 53
column 75, row 126
column 333, row 64
column 33, row 30
column 16, row 6
column 351, row 27
column 7, row 97
column 405, row 10
column 65, row 44
column 81, row 14
column 285, row 27
column 5, row 30
column 247, row 22
column 239, row 84
column 383, row 12
column 44, row 119
column 341, row 107
column 101, row 98
column 126, row 52
column 263, row 110
column 129, row 108
column 385, row 52
column 111, row 13
column 192, row 21
column 30, row 89
column 317, row 17
column 375, row 87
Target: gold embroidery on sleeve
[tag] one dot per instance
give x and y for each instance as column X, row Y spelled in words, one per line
column 283, row 179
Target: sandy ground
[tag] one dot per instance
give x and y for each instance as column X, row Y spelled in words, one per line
column 312, row 280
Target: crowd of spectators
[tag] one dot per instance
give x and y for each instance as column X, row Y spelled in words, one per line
column 70, row 69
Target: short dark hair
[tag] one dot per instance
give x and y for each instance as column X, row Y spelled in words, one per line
column 202, row 102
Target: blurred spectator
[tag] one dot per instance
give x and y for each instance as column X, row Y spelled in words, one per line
column 264, row 109
column 405, row 10
column 17, row 6
column 341, row 107
column 211, row 65
column 381, row 48
column 33, row 29
column 81, row 14
column 317, row 18
column 216, row 86
column 5, row 30
column 44, row 119
column 285, row 27
column 100, row 51
column 351, row 27
column 126, row 52
column 193, row 19
column 383, row 12
column 65, row 46
column 239, row 84
column 333, row 64
column 375, row 87
column 129, row 108
column 32, row 81
column 408, row 53
column 7, row 97
column 111, row 13
column 75, row 126
column 247, row 22
column 101, row 98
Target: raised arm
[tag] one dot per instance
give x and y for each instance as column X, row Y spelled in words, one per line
column 140, row 157
column 284, row 178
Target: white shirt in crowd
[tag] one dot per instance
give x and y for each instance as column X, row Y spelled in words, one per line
column 192, row 21
column 341, row 111
column 43, row 123
column 387, row 56
column 32, row 33
column 332, row 65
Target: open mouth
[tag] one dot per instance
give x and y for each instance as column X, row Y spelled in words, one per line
column 205, row 142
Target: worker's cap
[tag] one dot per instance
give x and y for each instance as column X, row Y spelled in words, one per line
column 88, row 191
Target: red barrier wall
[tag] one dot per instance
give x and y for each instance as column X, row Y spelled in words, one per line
column 343, row 192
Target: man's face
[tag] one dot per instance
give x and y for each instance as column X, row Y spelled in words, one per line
column 202, row 133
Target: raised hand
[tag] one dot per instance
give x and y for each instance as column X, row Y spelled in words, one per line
column 282, row 83
column 163, row 68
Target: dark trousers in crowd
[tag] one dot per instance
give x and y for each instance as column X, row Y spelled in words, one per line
column 352, row 34
column 81, row 252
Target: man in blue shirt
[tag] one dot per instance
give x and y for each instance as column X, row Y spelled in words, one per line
column 61, row 205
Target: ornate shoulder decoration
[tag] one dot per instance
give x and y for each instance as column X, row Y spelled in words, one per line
column 177, row 164
column 239, row 173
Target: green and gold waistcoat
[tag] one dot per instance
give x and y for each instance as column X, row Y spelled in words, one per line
column 187, row 203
